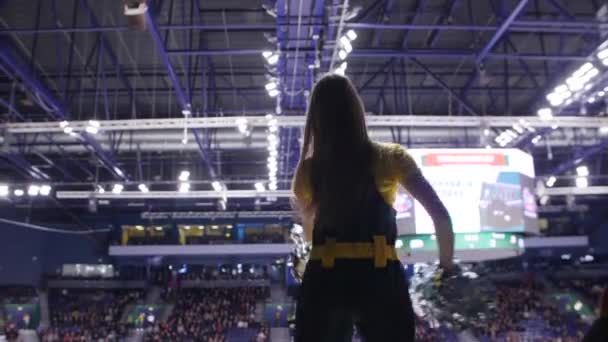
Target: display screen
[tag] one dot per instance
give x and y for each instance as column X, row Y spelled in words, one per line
column 483, row 190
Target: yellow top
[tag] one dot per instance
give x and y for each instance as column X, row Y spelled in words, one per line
column 392, row 165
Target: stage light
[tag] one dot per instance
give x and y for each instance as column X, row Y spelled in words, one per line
column 582, row 182
column 270, row 86
column 33, row 190
column 342, row 54
column 143, row 188
column 139, row 227
column 545, row 114
column 273, row 59
column 158, row 228
column 274, row 153
column 551, row 181
column 345, row 42
column 117, row 188
column 582, row 171
column 187, row 227
column 486, row 132
column 602, row 54
column 272, row 186
column 19, row 192
column 273, row 93
column 601, row 93
column 184, row 187
column 536, row 139
column 575, row 84
column 68, row 130
column 184, row 176
column 351, row 34
column 269, row 117
column 187, row 111
column 4, row 190
column 217, row 186
column 339, row 72
column 92, row 127
column 267, row 54
column 603, row 130
column 272, row 137
column 259, row 186
column 45, row 190
column 100, row 189
column 64, row 124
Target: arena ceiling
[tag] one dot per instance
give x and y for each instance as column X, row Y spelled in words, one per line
column 76, row 60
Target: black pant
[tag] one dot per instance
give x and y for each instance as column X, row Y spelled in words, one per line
column 353, row 292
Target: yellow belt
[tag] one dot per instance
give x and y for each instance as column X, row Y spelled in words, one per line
column 331, row 250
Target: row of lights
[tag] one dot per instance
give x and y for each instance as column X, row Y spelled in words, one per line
column 516, row 130
column 34, row 190
column 272, row 87
column 346, row 48
column 272, row 161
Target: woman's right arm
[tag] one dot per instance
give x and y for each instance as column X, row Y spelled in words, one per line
column 419, row 187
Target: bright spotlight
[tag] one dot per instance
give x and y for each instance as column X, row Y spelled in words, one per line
column 143, row 188
column 68, row 130
column 602, row 54
column 259, row 187
column 4, row 190
column 342, row 54
column 217, row 186
column 345, row 42
column 184, row 176
column 45, row 190
column 273, row 59
column 19, row 192
column 551, row 181
column 272, row 186
column 33, row 190
column 270, row 86
column 582, row 182
column 273, row 93
column 100, row 189
column 351, row 34
column 582, row 171
column 92, row 127
column 117, row 188
column 545, row 114
column 184, row 187
column 267, row 54
column 64, row 124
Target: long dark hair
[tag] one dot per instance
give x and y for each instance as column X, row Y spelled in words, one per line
column 339, row 149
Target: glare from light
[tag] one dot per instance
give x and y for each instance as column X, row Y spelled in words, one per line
column 582, row 171
column 342, row 54
column 267, row 54
column 143, row 188
column 45, row 190
column 259, row 187
column 545, row 114
column 270, row 86
column 184, row 187
column 217, row 186
column 273, row 93
column 551, row 181
column 117, row 188
column 19, row 192
column 351, row 34
column 273, row 59
column 582, row 182
column 184, row 176
column 33, row 190
column 4, row 190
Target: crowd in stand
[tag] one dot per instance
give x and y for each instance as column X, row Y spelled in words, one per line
column 209, row 314
column 225, row 272
column 88, row 315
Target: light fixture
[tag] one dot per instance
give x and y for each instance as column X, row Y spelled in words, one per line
column 187, row 227
column 117, row 188
column 184, row 187
column 33, row 190
column 591, row 100
column 64, row 124
column 139, row 227
column 273, row 93
column 19, row 192
column 158, row 228
column 259, row 187
column 351, row 34
column 68, row 130
column 143, row 188
column 582, row 171
column 603, row 130
column 4, row 190
column 187, row 111
column 345, row 42
column 551, row 181
column 545, row 114
column 92, row 127
column 342, row 54
column 270, row 86
column 217, row 186
column 45, row 190
column 184, row 176
column 267, row 54
column 536, row 139
column 100, row 189
column 273, row 59
column 582, row 182
column 272, row 186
